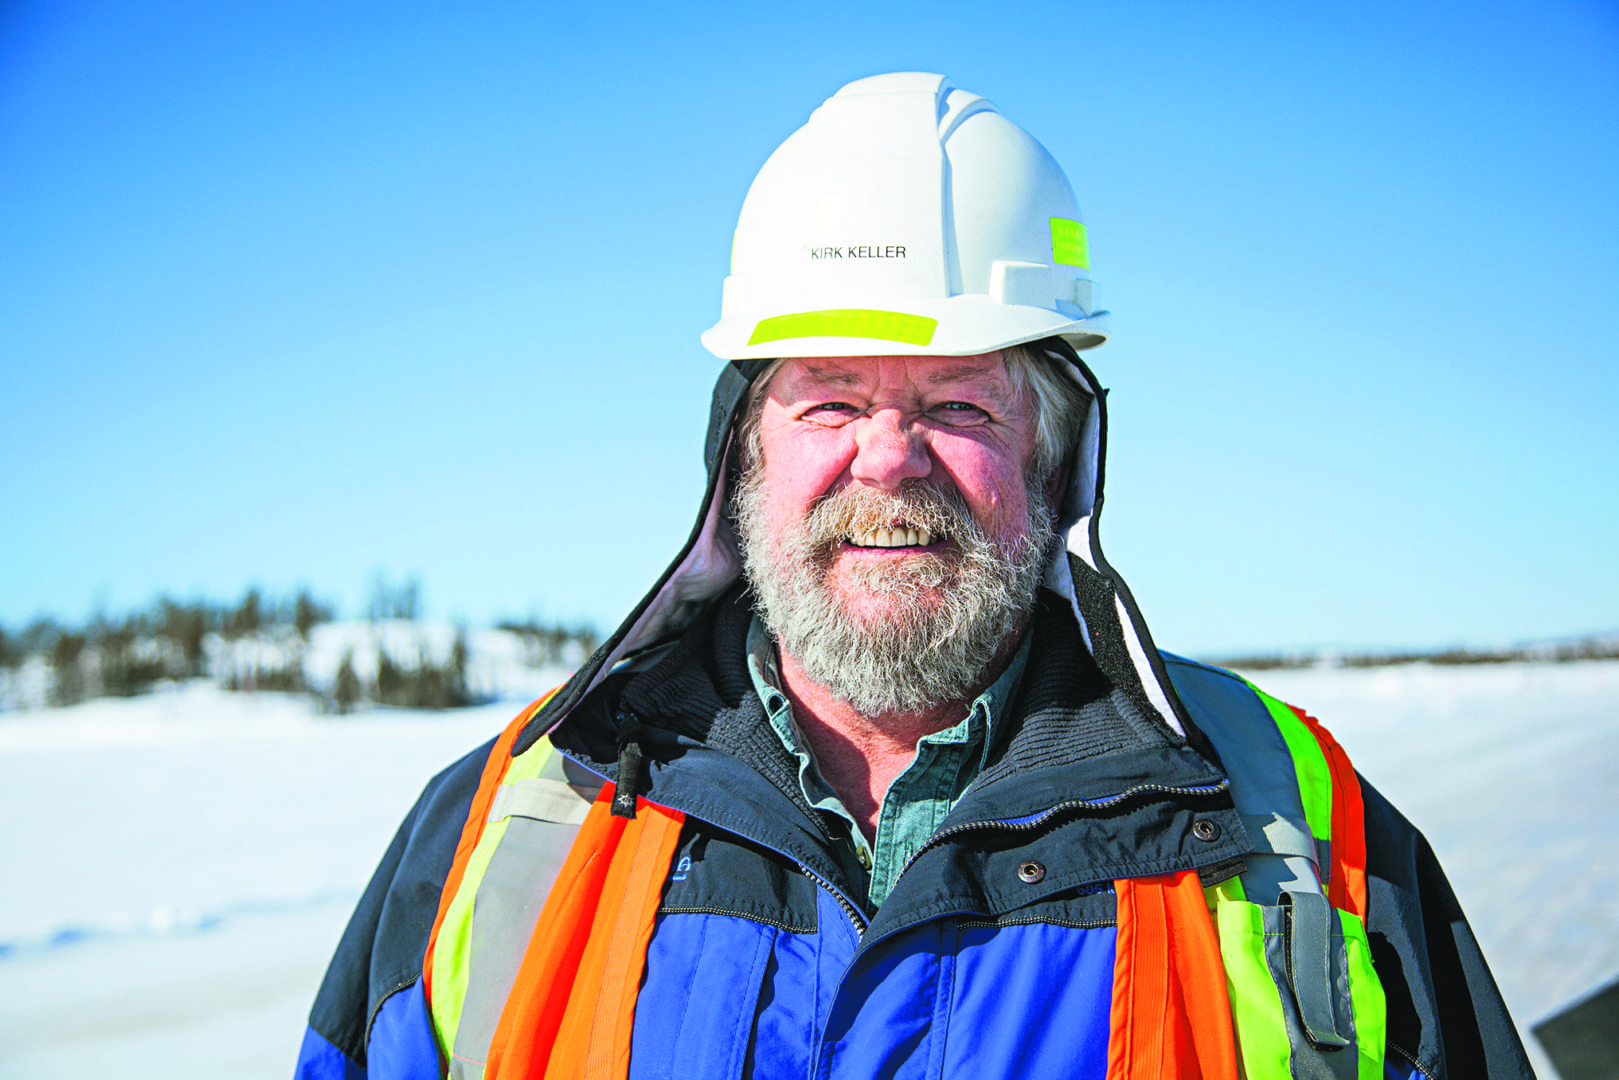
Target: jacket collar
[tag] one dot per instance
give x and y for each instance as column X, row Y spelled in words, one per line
column 1072, row 738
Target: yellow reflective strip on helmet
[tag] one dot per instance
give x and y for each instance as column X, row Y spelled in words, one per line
column 847, row 322
column 1069, row 244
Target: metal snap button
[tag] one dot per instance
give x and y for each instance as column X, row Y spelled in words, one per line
column 1206, row 830
column 1031, row 872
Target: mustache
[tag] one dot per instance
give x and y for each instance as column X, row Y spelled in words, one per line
column 857, row 510
column 948, row 611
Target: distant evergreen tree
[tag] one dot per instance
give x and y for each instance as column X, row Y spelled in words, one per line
column 247, row 618
column 389, row 688
column 458, row 661
column 130, row 660
column 186, row 627
column 346, row 689
column 67, row 671
column 307, row 613
column 426, row 684
column 39, row 636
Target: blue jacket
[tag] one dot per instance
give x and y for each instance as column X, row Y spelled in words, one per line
column 1116, row 764
column 766, row 962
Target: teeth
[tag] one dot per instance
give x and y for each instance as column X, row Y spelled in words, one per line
column 893, row 538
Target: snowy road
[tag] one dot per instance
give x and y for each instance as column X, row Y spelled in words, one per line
column 178, row 867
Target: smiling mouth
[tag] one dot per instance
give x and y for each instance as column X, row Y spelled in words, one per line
column 899, row 536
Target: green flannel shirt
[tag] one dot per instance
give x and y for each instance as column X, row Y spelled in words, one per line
column 945, row 765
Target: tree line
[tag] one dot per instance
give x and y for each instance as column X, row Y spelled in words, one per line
column 121, row 656
column 258, row 643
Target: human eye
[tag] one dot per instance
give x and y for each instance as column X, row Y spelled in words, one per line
column 829, row 412
column 959, row 413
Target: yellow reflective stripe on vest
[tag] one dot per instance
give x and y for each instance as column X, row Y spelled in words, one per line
column 1263, row 1045
column 847, row 322
column 1366, row 994
column 452, row 951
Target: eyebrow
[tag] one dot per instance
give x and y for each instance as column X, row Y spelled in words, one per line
column 831, row 376
column 958, row 373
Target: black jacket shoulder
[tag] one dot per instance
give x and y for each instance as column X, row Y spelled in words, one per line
column 1445, row 1013
column 382, row 950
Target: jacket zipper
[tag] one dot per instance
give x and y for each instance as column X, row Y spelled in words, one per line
column 1045, row 816
column 855, row 917
column 1062, row 807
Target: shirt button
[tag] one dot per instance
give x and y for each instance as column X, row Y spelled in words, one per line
column 865, row 859
column 1031, row 872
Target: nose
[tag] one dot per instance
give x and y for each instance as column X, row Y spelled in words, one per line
column 888, row 451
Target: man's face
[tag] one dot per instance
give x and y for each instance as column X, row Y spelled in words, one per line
column 891, row 511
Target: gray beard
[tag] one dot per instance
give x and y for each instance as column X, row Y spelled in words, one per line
column 920, row 654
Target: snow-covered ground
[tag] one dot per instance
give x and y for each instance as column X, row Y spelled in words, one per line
column 177, row 867
column 1512, row 772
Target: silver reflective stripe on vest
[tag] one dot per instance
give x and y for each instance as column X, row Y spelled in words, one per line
column 1264, row 784
column 1274, row 833
column 542, row 799
column 1283, row 856
column 543, row 815
column 1304, row 945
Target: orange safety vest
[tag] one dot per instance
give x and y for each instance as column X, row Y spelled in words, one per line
column 1208, row 982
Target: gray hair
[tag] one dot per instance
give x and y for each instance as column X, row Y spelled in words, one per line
column 1048, row 384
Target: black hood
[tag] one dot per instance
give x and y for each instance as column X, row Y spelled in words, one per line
column 710, row 563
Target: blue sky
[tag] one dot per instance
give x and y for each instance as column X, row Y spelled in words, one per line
column 296, row 293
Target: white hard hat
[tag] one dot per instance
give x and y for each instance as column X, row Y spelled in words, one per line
column 906, row 218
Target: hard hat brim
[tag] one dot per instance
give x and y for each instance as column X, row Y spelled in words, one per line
column 959, row 326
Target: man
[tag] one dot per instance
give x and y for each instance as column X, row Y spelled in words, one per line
column 879, row 780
